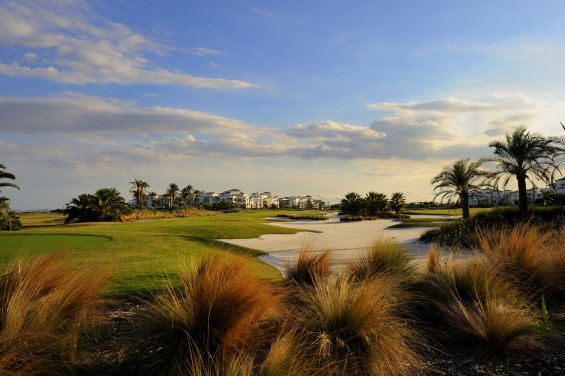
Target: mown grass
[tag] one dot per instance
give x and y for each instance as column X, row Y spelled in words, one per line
column 143, row 255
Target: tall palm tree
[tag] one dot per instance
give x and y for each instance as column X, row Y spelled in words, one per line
column 7, row 175
column 375, row 202
column 186, row 193
column 171, row 193
column 525, row 156
column 397, row 202
column 460, row 180
column 138, row 191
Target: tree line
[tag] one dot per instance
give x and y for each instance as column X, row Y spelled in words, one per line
column 523, row 156
column 372, row 204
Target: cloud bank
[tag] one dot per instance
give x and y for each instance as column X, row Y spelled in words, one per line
column 66, row 42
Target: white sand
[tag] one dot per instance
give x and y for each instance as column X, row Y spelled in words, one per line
column 345, row 240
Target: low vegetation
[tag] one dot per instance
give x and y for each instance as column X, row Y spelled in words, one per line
column 221, row 314
column 46, row 308
column 312, row 217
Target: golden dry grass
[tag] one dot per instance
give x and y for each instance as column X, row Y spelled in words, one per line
column 217, row 314
column 309, row 268
column 44, row 309
column 352, row 328
column 383, row 257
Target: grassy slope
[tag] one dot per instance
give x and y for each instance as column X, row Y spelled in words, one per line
column 141, row 254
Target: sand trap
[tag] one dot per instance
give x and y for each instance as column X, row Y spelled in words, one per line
column 345, row 240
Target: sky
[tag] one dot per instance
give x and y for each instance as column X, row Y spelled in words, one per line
column 292, row 97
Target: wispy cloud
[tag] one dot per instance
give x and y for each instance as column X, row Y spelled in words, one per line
column 78, row 46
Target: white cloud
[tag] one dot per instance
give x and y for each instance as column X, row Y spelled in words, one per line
column 80, row 47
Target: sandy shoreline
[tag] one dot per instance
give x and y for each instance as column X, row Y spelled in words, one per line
column 345, row 240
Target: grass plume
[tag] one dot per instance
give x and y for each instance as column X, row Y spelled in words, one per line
column 45, row 306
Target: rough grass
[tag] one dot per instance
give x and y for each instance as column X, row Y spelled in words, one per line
column 478, row 304
column 352, row 328
column 151, row 214
column 215, row 316
column 309, row 268
column 383, row 257
column 44, row 310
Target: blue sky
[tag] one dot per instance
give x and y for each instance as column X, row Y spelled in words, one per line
column 316, row 97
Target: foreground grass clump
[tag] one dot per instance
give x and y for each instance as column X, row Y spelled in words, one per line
column 309, row 268
column 351, row 328
column 383, row 257
column 478, row 304
column 45, row 307
column 214, row 319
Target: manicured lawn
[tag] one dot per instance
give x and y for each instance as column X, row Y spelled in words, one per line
column 141, row 255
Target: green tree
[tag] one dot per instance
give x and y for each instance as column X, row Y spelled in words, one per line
column 525, row 156
column 153, row 196
column 80, row 208
column 109, row 205
column 171, row 193
column 186, row 194
column 375, row 202
column 352, row 203
column 106, row 204
column 9, row 220
column 460, row 180
column 397, row 202
column 138, row 191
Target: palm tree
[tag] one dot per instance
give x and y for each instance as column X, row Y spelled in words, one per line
column 109, row 204
column 526, row 156
column 375, row 202
column 352, row 203
column 153, row 196
column 138, row 191
column 397, row 202
column 186, row 193
column 171, row 193
column 104, row 205
column 460, row 180
column 80, row 208
column 7, row 175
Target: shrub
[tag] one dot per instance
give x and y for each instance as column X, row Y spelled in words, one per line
column 351, row 328
column 479, row 305
column 383, row 257
column 44, row 309
column 216, row 317
column 9, row 220
column 309, row 268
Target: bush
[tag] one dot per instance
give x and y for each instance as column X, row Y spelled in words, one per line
column 352, row 328
column 216, row 317
column 479, row 305
column 45, row 308
column 9, row 220
column 384, row 257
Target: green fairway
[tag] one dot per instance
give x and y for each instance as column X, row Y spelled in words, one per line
column 141, row 254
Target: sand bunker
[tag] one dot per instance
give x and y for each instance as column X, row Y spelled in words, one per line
column 345, row 240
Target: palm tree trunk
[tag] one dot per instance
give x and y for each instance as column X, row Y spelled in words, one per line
column 522, row 195
column 465, row 205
